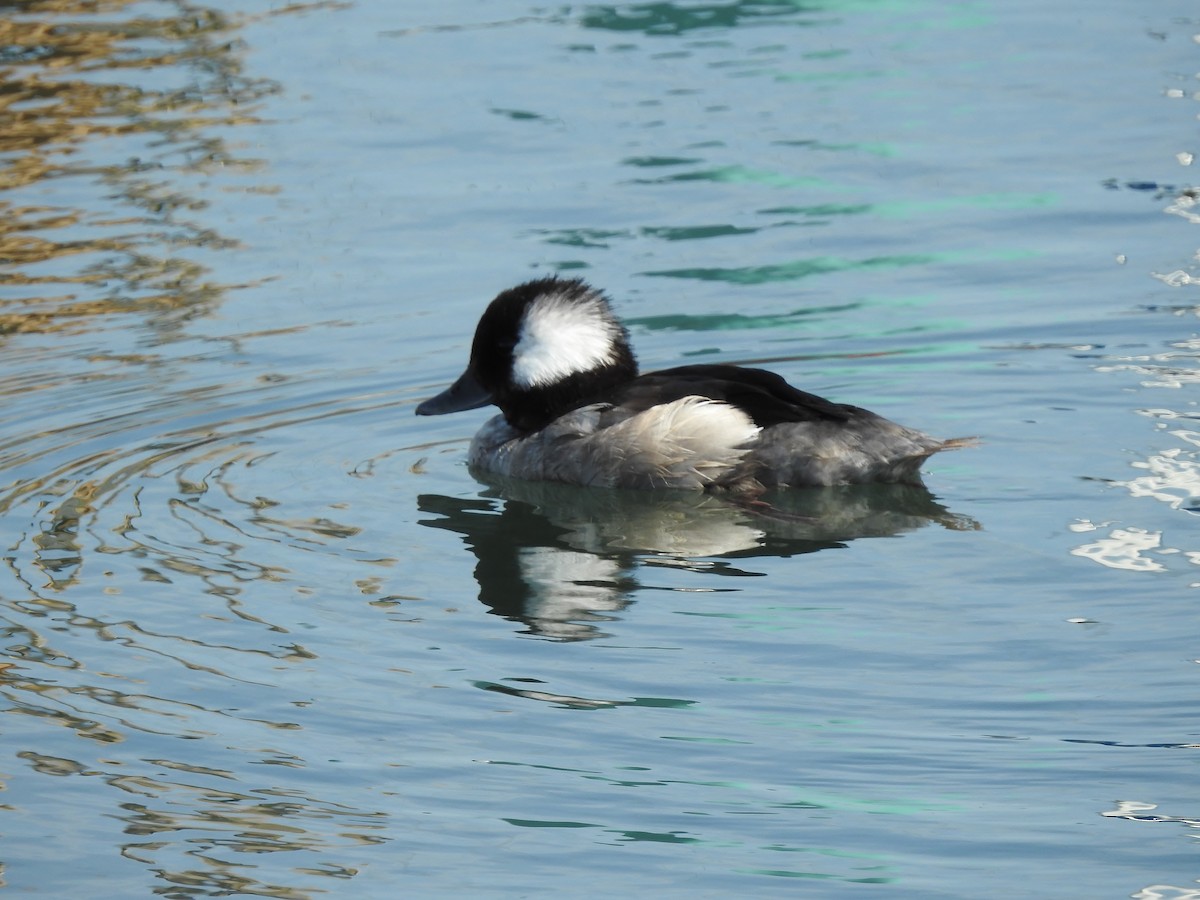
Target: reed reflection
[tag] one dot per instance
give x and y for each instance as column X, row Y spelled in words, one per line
column 200, row 831
column 109, row 138
column 563, row 560
column 220, row 825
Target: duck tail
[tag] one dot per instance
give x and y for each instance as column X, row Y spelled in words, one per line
column 962, row 443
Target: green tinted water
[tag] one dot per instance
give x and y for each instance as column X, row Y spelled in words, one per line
column 265, row 636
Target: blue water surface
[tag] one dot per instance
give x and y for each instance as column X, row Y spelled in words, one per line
column 265, row 635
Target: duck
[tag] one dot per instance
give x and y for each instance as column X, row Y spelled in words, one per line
column 556, row 360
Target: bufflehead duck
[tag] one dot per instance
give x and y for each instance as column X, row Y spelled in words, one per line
column 553, row 356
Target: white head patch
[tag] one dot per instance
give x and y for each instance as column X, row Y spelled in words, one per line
column 562, row 335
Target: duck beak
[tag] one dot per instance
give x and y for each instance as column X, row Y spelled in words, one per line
column 466, row 393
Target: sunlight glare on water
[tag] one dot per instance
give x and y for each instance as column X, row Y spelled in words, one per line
column 265, row 635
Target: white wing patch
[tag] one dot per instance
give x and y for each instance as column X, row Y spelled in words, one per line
column 691, row 442
column 561, row 337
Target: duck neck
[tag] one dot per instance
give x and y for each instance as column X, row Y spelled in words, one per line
column 531, row 409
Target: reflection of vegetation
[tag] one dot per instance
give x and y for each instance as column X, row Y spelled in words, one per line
column 105, row 104
column 792, row 271
column 674, row 18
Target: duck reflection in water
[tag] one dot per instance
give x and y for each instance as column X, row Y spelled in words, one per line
column 563, row 559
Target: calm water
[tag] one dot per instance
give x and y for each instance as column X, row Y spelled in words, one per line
column 265, row 636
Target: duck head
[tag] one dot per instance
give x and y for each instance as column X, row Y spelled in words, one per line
column 540, row 350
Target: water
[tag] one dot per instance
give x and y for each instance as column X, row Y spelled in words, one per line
column 265, row 636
